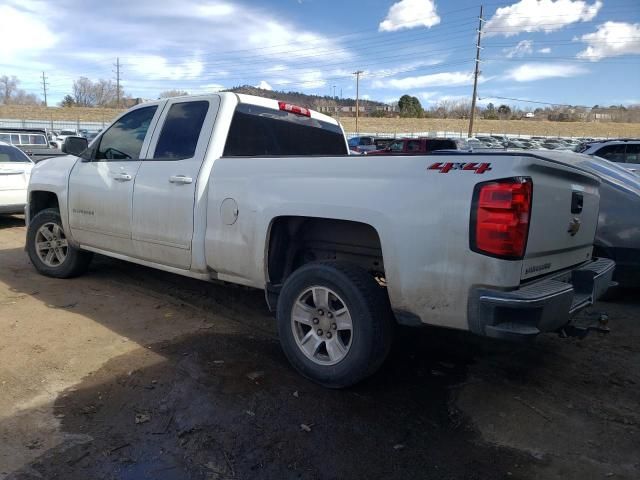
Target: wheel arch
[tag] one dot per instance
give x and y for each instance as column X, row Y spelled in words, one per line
column 293, row 241
column 41, row 200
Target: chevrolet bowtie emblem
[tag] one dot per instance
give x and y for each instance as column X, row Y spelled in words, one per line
column 574, row 226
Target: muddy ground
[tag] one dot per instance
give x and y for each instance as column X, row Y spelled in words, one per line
column 129, row 373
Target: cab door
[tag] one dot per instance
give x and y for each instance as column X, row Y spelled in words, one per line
column 101, row 184
column 166, row 187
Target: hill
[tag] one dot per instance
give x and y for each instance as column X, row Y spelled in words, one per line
column 302, row 99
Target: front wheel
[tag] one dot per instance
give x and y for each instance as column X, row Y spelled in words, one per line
column 49, row 249
column 334, row 323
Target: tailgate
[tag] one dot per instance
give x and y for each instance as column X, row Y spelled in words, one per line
column 564, row 215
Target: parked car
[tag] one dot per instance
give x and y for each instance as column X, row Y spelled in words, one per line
column 62, row 136
column 422, row 145
column 362, row 144
column 15, row 169
column 626, row 152
column 261, row 193
column 618, row 233
column 31, row 141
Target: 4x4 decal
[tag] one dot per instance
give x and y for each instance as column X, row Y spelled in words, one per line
column 448, row 166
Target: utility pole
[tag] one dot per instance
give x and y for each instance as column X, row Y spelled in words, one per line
column 117, row 65
column 475, row 76
column 44, row 88
column 357, row 74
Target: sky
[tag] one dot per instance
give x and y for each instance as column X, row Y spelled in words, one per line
column 577, row 52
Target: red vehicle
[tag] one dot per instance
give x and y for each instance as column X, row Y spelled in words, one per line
column 418, row 146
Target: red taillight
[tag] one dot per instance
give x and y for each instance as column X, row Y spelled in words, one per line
column 287, row 107
column 500, row 217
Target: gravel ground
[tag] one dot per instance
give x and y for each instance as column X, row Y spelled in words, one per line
column 130, row 373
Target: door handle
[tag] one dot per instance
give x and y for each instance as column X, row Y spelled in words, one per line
column 122, row 177
column 180, row 179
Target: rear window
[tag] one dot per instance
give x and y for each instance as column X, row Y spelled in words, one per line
column 12, row 154
column 181, row 130
column 259, row 131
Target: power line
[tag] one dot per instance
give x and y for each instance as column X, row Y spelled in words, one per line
column 533, row 101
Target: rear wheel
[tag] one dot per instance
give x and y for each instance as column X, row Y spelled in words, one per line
column 334, row 322
column 49, row 249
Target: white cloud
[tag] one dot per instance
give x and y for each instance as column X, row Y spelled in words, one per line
column 443, row 79
column 530, row 72
column 264, row 85
column 410, row 14
column 157, row 67
column 523, row 48
column 22, row 32
column 539, row 16
column 612, row 39
column 545, row 50
column 215, row 10
column 428, row 96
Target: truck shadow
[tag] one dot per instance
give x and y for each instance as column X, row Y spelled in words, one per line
column 11, row 221
column 227, row 405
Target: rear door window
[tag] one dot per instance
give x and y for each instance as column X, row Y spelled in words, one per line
column 613, row 153
column 259, row 131
column 632, row 153
column 413, row 146
column 181, row 130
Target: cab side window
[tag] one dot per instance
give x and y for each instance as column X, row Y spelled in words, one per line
column 123, row 140
column 397, row 146
column 181, row 130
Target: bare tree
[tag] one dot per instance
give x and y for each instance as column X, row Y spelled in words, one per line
column 83, row 92
column 8, row 86
column 20, row 97
column 172, row 93
column 105, row 93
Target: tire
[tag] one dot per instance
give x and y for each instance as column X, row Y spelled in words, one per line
column 337, row 357
column 60, row 261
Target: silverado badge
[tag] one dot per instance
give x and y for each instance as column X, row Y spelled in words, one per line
column 574, row 226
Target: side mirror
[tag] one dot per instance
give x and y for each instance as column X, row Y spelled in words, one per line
column 75, row 146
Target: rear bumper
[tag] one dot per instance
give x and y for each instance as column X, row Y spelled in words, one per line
column 544, row 305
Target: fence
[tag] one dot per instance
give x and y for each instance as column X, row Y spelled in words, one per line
column 452, row 134
column 54, row 124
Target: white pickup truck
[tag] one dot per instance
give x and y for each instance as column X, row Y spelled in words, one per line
column 262, row 193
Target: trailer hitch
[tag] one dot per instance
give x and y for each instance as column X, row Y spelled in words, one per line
column 581, row 332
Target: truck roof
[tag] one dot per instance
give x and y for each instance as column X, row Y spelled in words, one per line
column 271, row 103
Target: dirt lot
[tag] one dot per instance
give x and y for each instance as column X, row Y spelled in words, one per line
column 128, row 373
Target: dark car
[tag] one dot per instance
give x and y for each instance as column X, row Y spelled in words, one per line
column 422, row 145
column 362, row 144
column 32, row 141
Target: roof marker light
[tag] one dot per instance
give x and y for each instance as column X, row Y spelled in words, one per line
column 288, row 107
